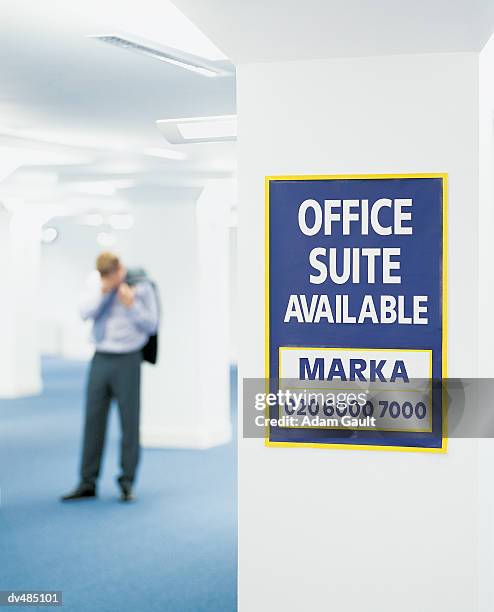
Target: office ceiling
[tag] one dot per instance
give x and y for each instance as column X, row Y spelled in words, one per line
column 66, row 95
column 273, row 30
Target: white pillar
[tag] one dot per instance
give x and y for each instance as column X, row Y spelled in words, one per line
column 19, row 350
column 359, row 530
column 213, row 234
column 184, row 248
column 486, row 370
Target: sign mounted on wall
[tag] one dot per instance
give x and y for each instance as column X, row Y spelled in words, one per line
column 356, row 311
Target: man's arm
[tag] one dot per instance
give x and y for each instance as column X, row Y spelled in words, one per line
column 93, row 306
column 144, row 310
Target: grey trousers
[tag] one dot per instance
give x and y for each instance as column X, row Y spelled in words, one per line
column 112, row 376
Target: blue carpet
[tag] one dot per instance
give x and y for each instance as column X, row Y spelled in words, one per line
column 173, row 550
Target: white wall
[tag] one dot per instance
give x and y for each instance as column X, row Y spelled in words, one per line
column 213, row 308
column 19, row 257
column 65, row 267
column 163, row 241
column 486, row 296
column 486, row 204
column 234, row 283
column 357, row 530
column 184, row 248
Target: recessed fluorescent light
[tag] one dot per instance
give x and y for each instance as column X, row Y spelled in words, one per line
column 39, row 178
column 91, row 219
column 165, row 153
column 14, row 157
column 105, row 239
column 48, row 235
column 160, row 21
column 7, row 169
column 102, row 187
column 199, row 129
column 164, row 54
column 212, row 128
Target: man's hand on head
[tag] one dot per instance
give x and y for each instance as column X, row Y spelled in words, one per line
column 107, row 284
column 112, row 280
column 126, row 295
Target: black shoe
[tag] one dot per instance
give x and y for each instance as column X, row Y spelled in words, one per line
column 82, row 492
column 126, row 495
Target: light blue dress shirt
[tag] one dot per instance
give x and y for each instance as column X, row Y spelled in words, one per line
column 117, row 328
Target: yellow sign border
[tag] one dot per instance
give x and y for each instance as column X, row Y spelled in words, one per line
column 325, row 177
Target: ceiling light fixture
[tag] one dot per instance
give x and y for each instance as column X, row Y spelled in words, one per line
column 164, row 54
column 221, row 128
column 122, row 221
column 6, row 169
column 49, row 234
column 35, row 156
column 105, row 239
column 91, row 219
column 166, row 153
column 103, row 187
column 160, row 21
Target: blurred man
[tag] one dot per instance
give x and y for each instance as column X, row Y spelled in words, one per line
column 123, row 319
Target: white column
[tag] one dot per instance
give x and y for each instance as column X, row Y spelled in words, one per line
column 213, row 233
column 184, row 248
column 19, row 352
column 359, row 530
column 486, row 305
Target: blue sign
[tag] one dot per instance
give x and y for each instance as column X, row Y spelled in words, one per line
column 355, row 311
